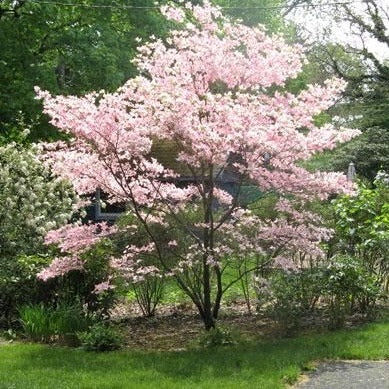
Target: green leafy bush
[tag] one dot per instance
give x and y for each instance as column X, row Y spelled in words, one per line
column 100, row 337
column 343, row 287
column 32, row 202
column 292, row 295
column 46, row 324
column 362, row 225
column 349, row 288
column 218, row 336
column 19, row 285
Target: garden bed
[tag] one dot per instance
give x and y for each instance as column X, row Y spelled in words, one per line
column 178, row 327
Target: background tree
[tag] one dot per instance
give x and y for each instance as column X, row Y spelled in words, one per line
column 363, row 62
column 68, row 50
column 76, row 49
column 254, row 12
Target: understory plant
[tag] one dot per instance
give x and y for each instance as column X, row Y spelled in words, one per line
column 19, row 285
column 100, row 337
column 218, row 336
column 43, row 323
column 349, row 287
column 290, row 296
column 149, row 293
column 362, row 226
column 336, row 289
column 87, row 285
column 32, row 202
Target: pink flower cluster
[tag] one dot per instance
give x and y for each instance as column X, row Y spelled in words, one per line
column 60, row 267
column 131, row 265
column 206, row 92
column 75, row 238
column 103, row 287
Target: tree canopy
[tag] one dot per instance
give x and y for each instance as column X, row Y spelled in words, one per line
column 364, row 63
column 66, row 49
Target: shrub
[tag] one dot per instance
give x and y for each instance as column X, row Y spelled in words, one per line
column 148, row 294
column 45, row 324
column 218, row 336
column 32, row 202
column 80, row 285
column 362, row 225
column 344, row 286
column 349, row 287
column 292, row 295
column 100, row 337
column 148, row 288
column 18, row 285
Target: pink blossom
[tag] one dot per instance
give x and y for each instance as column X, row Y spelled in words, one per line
column 60, row 267
column 172, row 243
column 74, row 238
column 103, row 287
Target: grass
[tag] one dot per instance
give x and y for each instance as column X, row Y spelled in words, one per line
column 264, row 364
column 174, row 295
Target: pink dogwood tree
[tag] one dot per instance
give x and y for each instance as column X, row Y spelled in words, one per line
column 214, row 91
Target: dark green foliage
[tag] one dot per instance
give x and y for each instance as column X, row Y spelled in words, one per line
column 19, row 285
column 42, row 323
column 218, row 336
column 100, row 337
column 362, row 225
column 66, row 50
column 369, row 152
column 349, row 287
column 365, row 105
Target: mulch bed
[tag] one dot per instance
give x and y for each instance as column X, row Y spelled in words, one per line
column 179, row 327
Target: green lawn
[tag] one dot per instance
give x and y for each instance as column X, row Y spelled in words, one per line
column 266, row 364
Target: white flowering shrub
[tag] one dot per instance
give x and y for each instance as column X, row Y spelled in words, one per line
column 32, row 202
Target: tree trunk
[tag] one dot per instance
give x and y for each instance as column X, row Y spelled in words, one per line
column 219, row 294
column 208, row 318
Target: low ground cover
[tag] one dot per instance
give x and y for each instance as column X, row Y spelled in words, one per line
column 267, row 363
